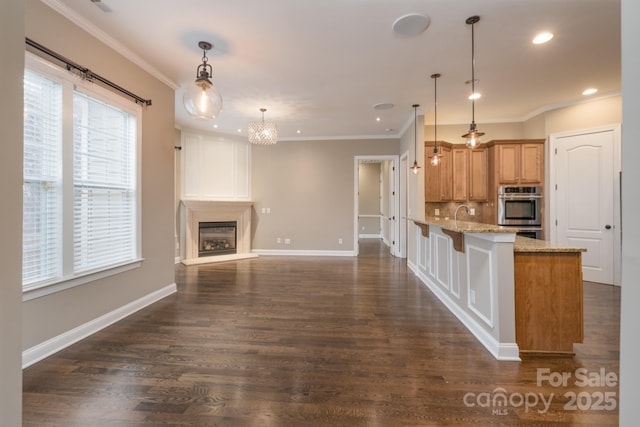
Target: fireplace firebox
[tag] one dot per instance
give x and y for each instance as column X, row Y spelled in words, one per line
column 217, row 238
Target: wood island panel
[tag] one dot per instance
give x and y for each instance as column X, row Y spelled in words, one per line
column 548, row 302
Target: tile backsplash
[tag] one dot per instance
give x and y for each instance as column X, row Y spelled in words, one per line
column 447, row 209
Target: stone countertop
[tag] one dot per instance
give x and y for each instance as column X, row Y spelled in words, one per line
column 521, row 244
column 527, row 245
column 463, row 226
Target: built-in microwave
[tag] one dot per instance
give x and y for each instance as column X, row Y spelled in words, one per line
column 519, row 206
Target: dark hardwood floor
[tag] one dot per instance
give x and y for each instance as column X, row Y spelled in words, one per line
column 313, row 341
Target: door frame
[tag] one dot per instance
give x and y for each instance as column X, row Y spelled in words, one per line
column 396, row 203
column 554, row 143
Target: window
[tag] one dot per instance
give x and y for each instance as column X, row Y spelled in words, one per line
column 81, row 181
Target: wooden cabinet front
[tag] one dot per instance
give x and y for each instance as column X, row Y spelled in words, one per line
column 520, row 163
column 478, row 182
column 460, row 168
column 531, row 163
column 437, row 179
column 548, row 302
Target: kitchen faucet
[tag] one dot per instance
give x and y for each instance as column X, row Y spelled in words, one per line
column 455, row 214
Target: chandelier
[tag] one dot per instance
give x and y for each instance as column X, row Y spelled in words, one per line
column 202, row 99
column 415, row 168
column 435, row 157
column 263, row 133
column 473, row 136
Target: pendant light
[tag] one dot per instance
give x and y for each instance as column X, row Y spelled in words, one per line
column 473, row 136
column 435, row 157
column 263, row 133
column 415, row 166
column 202, row 99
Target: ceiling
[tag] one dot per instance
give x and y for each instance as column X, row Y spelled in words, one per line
column 318, row 67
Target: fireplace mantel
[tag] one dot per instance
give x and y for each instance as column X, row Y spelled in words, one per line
column 192, row 212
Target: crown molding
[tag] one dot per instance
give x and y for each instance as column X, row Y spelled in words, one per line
column 109, row 41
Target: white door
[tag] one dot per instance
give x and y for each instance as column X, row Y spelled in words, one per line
column 584, row 199
column 402, row 214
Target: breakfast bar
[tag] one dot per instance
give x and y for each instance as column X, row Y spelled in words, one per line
column 517, row 295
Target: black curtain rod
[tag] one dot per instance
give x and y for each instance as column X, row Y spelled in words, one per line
column 85, row 72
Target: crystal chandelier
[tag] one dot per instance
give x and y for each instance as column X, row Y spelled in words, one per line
column 473, row 136
column 261, row 132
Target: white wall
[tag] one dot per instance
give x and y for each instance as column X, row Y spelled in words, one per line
column 630, row 315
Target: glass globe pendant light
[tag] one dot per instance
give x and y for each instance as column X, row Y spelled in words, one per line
column 202, row 99
column 435, row 157
column 415, row 168
column 473, row 136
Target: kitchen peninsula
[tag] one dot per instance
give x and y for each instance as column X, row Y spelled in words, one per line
column 516, row 295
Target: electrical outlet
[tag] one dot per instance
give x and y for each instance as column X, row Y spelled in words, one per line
column 437, row 212
column 472, row 211
column 340, row 241
column 278, row 240
column 287, row 241
column 263, row 210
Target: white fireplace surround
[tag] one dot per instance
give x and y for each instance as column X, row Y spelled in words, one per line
column 193, row 212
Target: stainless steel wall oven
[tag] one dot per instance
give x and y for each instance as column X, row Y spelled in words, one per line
column 521, row 207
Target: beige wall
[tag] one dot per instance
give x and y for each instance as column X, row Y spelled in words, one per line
column 11, row 113
column 599, row 112
column 49, row 316
column 309, row 186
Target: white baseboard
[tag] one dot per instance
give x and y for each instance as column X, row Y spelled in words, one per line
column 57, row 343
column 499, row 350
column 302, row 252
column 369, row 236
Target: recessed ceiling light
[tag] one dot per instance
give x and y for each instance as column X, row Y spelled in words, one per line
column 377, row 119
column 383, row 106
column 298, row 131
column 589, row 91
column 475, row 95
column 215, row 126
column 543, row 37
column 239, row 130
column 411, row 24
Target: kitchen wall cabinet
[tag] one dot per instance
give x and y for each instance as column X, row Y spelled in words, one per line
column 461, row 176
column 460, row 171
column 478, row 174
column 520, row 163
column 437, row 179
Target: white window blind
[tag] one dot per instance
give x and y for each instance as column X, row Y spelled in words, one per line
column 81, row 181
column 104, row 188
column 42, row 190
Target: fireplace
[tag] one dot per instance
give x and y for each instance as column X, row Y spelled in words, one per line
column 195, row 212
column 217, row 238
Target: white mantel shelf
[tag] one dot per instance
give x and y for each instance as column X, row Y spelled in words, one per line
column 192, row 212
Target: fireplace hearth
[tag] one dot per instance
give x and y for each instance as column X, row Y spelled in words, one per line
column 217, row 238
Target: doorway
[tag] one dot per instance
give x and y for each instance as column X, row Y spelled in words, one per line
column 382, row 220
column 585, row 198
